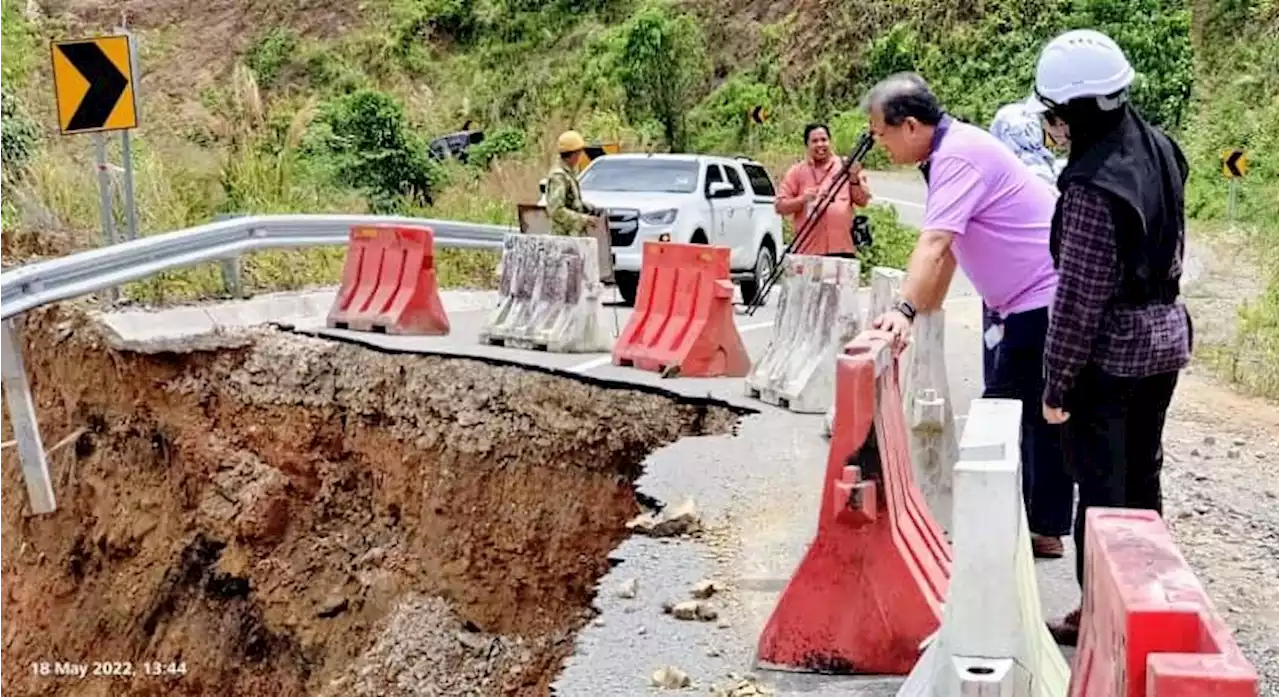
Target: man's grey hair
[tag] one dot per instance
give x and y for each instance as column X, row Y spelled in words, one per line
column 903, row 95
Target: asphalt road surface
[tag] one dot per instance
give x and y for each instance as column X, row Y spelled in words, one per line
column 757, row 490
column 759, row 487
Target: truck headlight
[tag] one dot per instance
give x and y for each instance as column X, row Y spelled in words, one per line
column 659, row 217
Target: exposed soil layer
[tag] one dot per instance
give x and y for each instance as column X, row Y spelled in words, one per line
column 301, row 517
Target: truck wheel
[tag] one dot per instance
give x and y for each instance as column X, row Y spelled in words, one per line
column 760, row 274
column 627, row 282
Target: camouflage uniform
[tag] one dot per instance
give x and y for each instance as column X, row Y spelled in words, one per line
column 569, row 214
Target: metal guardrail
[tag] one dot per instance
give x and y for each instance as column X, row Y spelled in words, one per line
column 32, row 285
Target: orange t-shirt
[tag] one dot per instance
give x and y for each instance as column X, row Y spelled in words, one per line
column 831, row 233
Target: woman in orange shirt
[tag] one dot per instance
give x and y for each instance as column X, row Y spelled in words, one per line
column 804, row 185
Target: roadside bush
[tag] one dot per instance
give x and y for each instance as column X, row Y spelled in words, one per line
column 892, row 241
column 271, row 53
column 364, row 137
column 19, row 135
column 977, row 66
column 504, row 141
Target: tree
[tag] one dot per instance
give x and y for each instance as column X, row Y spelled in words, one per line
column 662, row 68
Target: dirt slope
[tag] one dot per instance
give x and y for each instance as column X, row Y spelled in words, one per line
column 302, row 517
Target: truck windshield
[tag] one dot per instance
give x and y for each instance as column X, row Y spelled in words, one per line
column 668, row 176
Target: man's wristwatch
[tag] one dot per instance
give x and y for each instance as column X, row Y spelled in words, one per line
column 907, row 309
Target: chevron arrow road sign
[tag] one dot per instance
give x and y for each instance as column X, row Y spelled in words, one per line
column 1234, row 164
column 93, row 83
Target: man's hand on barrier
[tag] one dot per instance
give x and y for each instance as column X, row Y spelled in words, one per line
column 896, row 324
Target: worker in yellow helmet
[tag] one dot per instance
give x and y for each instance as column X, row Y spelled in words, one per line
column 569, row 214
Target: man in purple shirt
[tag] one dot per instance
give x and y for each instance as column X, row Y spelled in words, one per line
column 990, row 214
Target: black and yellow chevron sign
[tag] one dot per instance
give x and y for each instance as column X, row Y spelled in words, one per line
column 1234, row 164
column 93, row 83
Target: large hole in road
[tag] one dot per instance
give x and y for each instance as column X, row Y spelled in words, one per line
column 303, row 517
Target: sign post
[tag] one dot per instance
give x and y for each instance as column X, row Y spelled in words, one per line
column 126, row 141
column 1234, row 166
column 93, row 83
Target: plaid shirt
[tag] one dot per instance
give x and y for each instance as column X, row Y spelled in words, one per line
column 1086, row 325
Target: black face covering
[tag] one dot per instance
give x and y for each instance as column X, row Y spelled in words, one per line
column 1143, row 173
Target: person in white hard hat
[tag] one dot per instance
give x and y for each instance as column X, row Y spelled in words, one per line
column 1118, row 332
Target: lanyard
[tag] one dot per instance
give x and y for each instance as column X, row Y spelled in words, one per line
column 939, row 132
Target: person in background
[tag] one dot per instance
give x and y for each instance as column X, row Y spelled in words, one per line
column 807, row 181
column 569, row 214
column 990, row 215
column 1018, row 126
column 1118, row 333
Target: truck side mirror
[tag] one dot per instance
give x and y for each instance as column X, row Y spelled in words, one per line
column 719, row 190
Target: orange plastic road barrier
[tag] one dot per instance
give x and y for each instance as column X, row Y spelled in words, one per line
column 869, row 591
column 1149, row 629
column 389, row 283
column 683, row 320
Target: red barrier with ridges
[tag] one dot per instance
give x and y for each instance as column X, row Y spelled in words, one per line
column 389, row 283
column 1149, row 629
column 683, row 317
column 870, row 588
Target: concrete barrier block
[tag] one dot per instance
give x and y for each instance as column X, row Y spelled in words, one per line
column 549, row 296
column 818, row 313
column 993, row 639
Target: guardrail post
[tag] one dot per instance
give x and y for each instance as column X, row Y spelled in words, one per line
column 22, row 414
column 232, row 282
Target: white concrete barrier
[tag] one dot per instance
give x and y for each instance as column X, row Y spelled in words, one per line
column 817, row 314
column 926, row 396
column 535, row 221
column 993, row 640
column 549, row 296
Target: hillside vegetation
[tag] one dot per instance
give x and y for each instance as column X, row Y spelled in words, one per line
column 328, row 105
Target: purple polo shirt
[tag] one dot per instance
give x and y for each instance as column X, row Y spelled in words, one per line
column 999, row 212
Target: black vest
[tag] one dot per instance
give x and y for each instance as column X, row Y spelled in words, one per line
column 1142, row 173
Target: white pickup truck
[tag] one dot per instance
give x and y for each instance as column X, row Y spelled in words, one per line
column 699, row 199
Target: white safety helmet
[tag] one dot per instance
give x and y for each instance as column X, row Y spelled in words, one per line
column 1082, row 63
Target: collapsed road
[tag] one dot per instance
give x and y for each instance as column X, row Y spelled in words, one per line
column 286, row 508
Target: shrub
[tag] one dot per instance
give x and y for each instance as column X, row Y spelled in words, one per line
column 365, row 138
column 892, row 241
column 504, row 141
column 271, row 53
column 19, row 135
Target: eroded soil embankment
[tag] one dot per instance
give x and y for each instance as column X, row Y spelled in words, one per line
column 301, row 517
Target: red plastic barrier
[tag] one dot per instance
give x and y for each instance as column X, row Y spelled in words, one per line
column 683, row 318
column 1149, row 629
column 389, row 283
column 871, row 586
